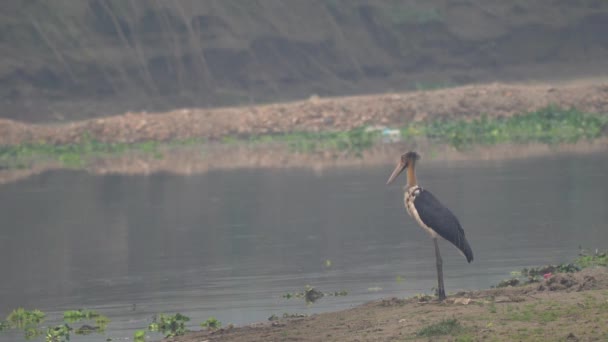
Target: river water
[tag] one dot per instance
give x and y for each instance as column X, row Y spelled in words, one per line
column 230, row 244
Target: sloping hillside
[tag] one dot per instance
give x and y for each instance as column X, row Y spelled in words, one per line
column 65, row 60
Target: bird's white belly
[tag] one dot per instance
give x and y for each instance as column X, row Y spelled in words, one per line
column 409, row 197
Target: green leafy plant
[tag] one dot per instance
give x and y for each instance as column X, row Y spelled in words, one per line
column 78, row 315
column 139, row 336
column 59, row 333
column 21, row 318
column 4, row 326
column 211, row 323
column 73, row 316
column 536, row 274
column 29, row 322
column 589, row 259
column 170, row 325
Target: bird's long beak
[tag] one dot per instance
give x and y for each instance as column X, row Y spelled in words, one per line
column 398, row 169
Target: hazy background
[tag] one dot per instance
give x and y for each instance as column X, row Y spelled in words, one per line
column 64, row 59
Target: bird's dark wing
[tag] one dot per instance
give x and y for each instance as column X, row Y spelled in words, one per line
column 441, row 220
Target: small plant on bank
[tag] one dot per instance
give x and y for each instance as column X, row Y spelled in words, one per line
column 170, row 325
column 590, row 259
column 444, row 327
column 537, row 274
column 211, row 323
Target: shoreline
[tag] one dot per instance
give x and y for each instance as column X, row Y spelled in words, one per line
column 562, row 306
column 316, row 114
column 476, row 122
column 193, row 159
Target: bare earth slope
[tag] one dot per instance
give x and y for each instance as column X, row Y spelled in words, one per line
column 317, row 114
column 64, row 60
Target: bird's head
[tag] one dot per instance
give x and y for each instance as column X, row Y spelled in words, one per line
column 407, row 159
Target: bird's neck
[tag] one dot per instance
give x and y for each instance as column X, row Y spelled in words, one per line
column 411, row 175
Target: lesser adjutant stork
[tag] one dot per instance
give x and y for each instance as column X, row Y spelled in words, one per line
column 431, row 215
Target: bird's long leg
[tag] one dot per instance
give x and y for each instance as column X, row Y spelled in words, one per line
column 440, row 288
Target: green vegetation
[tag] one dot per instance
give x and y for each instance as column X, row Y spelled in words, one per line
column 356, row 140
column 29, row 322
column 550, row 125
column 139, row 336
column 79, row 155
column 25, row 320
column 59, row 333
column 311, row 295
column 211, row 323
column 21, row 318
column 445, row 327
column 535, row 274
column 170, row 325
column 590, row 259
column 77, row 315
column 530, row 313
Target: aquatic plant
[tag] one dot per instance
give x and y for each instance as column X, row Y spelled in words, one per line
column 80, row 314
column 29, row 322
column 211, row 323
column 139, row 336
column 58, row 333
column 170, row 325
column 311, row 294
column 21, row 318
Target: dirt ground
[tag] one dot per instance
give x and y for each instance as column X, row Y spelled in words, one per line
column 318, row 114
column 562, row 307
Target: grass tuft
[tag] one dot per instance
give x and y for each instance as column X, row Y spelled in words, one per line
column 444, row 327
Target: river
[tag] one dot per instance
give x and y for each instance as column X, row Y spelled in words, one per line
column 230, row 244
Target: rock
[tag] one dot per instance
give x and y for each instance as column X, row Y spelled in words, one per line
column 571, row 337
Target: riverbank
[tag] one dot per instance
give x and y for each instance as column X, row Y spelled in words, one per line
column 473, row 122
column 560, row 307
column 316, row 114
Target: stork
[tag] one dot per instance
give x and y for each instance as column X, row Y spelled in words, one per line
column 431, row 215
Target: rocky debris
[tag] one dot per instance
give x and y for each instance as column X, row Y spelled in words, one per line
column 567, row 282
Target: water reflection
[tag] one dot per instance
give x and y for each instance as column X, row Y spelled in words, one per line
column 230, row 243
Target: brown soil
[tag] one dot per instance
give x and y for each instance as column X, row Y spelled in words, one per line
column 316, row 114
column 564, row 307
